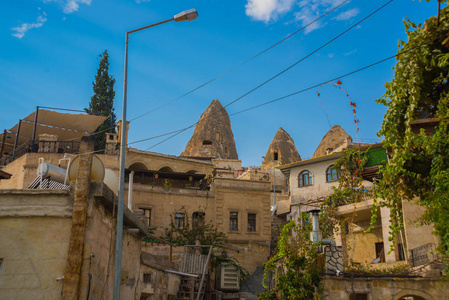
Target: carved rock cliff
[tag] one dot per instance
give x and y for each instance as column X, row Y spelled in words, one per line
column 213, row 135
column 334, row 138
column 282, row 151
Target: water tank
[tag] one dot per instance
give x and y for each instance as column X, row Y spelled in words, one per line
column 53, row 172
column 97, row 172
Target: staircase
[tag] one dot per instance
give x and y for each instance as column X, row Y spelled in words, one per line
column 190, row 287
column 193, row 284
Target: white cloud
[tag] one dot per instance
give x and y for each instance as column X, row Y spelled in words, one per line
column 19, row 31
column 312, row 9
column 70, row 6
column 306, row 11
column 142, row 1
column 350, row 52
column 266, row 10
column 347, row 14
column 331, row 55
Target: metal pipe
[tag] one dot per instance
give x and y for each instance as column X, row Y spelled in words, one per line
column 3, row 143
column 130, row 190
column 16, row 141
column 198, row 296
column 121, row 191
column 34, row 129
column 181, row 273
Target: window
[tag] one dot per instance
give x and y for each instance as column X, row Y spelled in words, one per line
column 275, row 156
column 401, row 252
column 207, row 142
column 332, row 174
column 251, row 222
column 147, row 278
column 198, row 218
column 147, row 215
column 179, row 220
column 304, row 178
column 234, row 221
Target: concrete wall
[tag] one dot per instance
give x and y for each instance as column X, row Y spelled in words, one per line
column 417, row 234
column 339, row 288
column 24, row 169
column 34, row 238
column 35, row 230
column 99, row 254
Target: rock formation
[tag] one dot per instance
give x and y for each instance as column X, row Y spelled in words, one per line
column 282, row 151
column 213, row 135
column 334, row 138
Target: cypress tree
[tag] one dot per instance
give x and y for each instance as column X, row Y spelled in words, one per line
column 102, row 102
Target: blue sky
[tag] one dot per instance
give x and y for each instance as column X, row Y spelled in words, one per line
column 50, row 49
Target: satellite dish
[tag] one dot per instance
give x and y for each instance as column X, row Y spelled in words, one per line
column 97, row 172
column 111, row 180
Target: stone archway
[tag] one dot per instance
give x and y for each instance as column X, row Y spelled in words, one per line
column 166, row 169
column 138, row 166
column 412, row 295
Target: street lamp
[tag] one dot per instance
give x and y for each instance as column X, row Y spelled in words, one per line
column 188, row 15
column 273, row 208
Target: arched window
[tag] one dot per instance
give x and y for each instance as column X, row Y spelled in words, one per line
column 137, row 166
column 332, row 174
column 166, row 169
column 305, row 178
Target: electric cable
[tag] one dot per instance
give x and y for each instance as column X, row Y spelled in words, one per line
column 297, row 92
column 241, row 64
column 283, row 71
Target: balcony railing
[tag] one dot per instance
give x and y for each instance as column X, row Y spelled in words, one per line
column 71, row 147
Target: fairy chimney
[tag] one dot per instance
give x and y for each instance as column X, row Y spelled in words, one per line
column 334, row 138
column 213, row 135
column 282, row 151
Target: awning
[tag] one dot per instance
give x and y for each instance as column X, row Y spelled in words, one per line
column 64, row 125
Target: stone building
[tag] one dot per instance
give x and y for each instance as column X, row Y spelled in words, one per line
column 162, row 185
column 310, row 182
column 59, row 243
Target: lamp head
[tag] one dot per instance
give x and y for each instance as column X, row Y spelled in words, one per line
column 188, row 15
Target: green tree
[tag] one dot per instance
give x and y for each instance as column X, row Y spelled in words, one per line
column 196, row 229
column 102, row 102
column 418, row 168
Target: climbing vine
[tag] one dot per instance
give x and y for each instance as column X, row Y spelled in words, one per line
column 294, row 265
column 418, row 168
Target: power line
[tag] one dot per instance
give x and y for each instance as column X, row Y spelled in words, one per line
column 282, row 72
column 295, row 93
column 241, row 64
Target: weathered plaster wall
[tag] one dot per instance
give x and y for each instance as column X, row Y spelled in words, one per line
column 338, row 288
column 417, row 234
column 34, row 234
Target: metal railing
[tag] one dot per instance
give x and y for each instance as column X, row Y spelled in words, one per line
column 71, row 147
column 423, row 254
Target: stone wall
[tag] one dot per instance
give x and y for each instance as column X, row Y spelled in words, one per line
column 99, row 254
column 339, row 288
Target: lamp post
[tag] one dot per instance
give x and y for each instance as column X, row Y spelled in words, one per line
column 188, row 15
column 274, row 184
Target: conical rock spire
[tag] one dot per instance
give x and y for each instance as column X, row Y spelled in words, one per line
column 282, row 150
column 335, row 137
column 213, row 135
